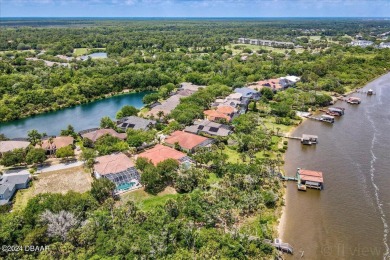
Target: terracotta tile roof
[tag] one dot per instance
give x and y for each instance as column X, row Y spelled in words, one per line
column 112, row 163
column 226, row 110
column 161, row 153
column 214, row 115
column 185, row 140
column 270, row 83
column 308, row 175
column 58, row 142
column 6, row 146
column 94, row 135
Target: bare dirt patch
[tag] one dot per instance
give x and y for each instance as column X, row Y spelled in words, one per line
column 62, row 181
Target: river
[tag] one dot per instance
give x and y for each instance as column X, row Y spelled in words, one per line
column 80, row 117
column 349, row 218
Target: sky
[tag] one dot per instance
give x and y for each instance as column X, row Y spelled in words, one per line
column 194, row 8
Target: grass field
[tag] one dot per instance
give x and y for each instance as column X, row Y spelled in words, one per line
column 72, row 179
column 80, row 51
column 257, row 47
column 233, row 155
column 148, row 201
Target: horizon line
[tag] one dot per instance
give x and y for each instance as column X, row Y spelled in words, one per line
column 195, row 17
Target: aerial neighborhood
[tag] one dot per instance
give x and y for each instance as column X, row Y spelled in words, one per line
column 193, row 138
column 117, row 163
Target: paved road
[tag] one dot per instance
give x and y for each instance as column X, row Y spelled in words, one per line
column 61, row 166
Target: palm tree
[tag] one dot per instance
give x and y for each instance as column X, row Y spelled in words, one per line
column 160, row 114
column 50, row 141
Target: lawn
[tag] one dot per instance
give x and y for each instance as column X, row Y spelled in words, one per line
column 80, row 51
column 148, row 201
column 62, row 181
column 270, row 124
column 257, row 47
column 213, row 179
column 233, row 155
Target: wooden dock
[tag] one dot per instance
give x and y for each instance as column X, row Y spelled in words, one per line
column 279, row 245
column 305, row 139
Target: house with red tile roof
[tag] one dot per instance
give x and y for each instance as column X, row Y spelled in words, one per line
column 273, row 84
column 161, row 153
column 119, row 169
column 95, row 134
column 227, row 110
column 188, row 142
column 213, row 115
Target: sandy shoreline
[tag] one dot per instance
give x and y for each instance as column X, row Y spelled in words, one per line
column 282, row 216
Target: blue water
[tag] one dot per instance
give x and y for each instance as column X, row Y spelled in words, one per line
column 80, row 117
column 100, row 55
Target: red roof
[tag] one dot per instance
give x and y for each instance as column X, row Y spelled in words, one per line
column 225, row 110
column 307, row 175
column 213, row 115
column 185, row 140
column 161, row 153
column 270, row 83
column 113, row 163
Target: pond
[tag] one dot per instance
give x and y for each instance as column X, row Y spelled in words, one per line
column 80, row 117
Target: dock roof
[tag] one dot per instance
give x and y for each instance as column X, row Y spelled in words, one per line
column 308, row 175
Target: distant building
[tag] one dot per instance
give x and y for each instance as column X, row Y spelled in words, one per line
column 8, row 146
column 268, row 43
column 161, row 153
column 362, row 43
column 187, row 141
column 186, row 89
column 383, row 45
column 234, row 96
column 136, row 123
column 10, row 183
column 275, row 84
column 209, row 128
column 119, row 169
column 95, row 134
column 248, row 93
column 213, row 115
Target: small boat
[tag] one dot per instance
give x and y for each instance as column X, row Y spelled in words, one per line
column 302, row 187
column 336, row 111
column 327, row 119
column 370, row 92
column 354, row 100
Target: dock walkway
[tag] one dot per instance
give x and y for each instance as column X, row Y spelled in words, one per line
column 279, row 245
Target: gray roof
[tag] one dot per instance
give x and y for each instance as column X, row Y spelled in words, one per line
column 136, row 123
column 209, row 127
column 10, row 180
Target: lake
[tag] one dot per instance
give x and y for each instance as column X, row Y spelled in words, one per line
column 349, row 218
column 96, row 55
column 80, row 117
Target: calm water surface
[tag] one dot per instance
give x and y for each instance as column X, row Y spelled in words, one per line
column 80, row 117
column 349, row 218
